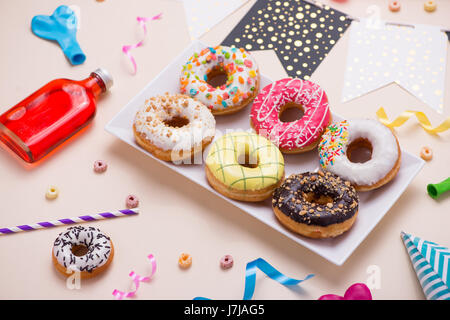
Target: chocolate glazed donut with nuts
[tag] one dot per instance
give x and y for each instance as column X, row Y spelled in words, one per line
column 316, row 205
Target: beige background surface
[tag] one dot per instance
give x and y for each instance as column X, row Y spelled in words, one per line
column 176, row 214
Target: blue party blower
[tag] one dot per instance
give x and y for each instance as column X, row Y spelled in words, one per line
column 61, row 27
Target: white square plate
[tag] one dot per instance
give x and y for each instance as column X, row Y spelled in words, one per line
column 373, row 204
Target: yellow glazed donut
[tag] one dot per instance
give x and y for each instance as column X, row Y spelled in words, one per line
column 244, row 166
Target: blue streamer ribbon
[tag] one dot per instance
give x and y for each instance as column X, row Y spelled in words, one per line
column 269, row 270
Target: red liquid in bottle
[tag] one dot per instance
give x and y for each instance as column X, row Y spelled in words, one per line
column 51, row 115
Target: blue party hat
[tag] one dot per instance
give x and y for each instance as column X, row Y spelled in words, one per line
column 431, row 263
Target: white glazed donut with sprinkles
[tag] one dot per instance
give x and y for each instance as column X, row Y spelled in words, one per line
column 82, row 249
column 341, row 139
column 240, row 70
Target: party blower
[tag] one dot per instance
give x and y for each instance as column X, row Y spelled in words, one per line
column 435, row 190
column 61, row 27
column 51, row 115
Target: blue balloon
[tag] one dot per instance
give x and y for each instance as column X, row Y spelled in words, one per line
column 61, row 27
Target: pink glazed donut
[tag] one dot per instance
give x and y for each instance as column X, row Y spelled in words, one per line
column 297, row 136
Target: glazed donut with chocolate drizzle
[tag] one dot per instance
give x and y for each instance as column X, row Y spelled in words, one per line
column 295, row 136
column 316, row 205
column 82, row 249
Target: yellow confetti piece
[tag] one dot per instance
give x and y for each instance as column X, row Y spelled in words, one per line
column 421, row 117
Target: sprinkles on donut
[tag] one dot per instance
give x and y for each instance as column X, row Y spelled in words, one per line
column 82, row 249
column 296, row 136
column 236, row 68
column 343, row 139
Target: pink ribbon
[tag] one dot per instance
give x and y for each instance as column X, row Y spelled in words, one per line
column 119, row 295
column 127, row 48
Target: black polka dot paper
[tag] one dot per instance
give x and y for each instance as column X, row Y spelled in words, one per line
column 302, row 34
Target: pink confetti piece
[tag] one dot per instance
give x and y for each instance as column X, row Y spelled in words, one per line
column 137, row 279
column 127, row 48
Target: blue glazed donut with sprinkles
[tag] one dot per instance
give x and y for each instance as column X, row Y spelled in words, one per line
column 225, row 79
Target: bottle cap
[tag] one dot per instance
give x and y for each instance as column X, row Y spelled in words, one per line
column 105, row 76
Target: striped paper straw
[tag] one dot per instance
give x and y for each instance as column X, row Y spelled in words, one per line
column 61, row 222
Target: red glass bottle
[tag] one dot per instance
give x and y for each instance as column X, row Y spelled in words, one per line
column 52, row 114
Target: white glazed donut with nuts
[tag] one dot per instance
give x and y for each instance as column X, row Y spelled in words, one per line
column 173, row 127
